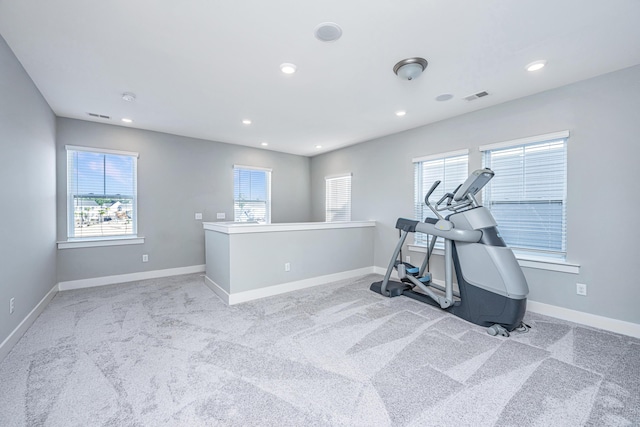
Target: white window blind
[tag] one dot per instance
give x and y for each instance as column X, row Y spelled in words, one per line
column 338, row 198
column 449, row 168
column 251, row 194
column 101, row 193
column 527, row 196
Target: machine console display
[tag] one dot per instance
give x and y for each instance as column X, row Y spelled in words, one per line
column 478, row 179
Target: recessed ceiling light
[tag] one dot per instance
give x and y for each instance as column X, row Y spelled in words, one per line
column 129, row 97
column 127, row 120
column 264, row 144
column 400, row 113
column 444, row 97
column 246, row 121
column 318, row 146
column 288, row 68
column 536, row 65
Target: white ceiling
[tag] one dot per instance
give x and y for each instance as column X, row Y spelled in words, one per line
column 198, row 67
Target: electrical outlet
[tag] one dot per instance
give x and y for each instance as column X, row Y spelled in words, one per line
column 408, row 259
column 581, row 289
column 221, row 215
column 12, row 305
column 287, row 266
column 145, row 258
column 198, row 215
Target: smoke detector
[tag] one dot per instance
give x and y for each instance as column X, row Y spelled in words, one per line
column 129, row 97
column 328, row 32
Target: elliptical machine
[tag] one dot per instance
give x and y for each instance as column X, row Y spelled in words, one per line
column 492, row 289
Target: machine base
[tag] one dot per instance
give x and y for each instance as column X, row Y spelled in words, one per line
column 395, row 289
column 488, row 308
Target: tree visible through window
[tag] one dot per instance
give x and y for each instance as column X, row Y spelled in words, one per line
column 101, row 193
column 251, row 194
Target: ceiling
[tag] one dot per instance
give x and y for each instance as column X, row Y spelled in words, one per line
column 199, row 67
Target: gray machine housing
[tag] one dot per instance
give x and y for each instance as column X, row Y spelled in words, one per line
column 488, row 264
column 492, row 289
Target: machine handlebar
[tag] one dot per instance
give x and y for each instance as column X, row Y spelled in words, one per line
column 445, row 197
column 431, row 190
column 463, row 196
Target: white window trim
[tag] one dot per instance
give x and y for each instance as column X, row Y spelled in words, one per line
column 101, row 150
column 524, row 261
column 440, row 156
column 564, row 134
column 91, row 242
column 256, row 168
column 253, row 168
column 331, row 178
column 528, row 259
column 341, row 175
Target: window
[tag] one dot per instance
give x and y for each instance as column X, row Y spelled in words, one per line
column 449, row 168
column 101, row 193
column 338, row 198
column 527, row 196
column 251, row 194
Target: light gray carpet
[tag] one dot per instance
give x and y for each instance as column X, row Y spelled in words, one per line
column 169, row 352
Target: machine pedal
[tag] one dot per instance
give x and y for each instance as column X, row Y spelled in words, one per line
column 426, row 278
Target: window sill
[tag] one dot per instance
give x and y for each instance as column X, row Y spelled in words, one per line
column 423, row 249
column 523, row 260
column 548, row 264
column 96, row 242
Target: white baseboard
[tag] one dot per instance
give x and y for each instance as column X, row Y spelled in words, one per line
column 19, row 331
column 240, row 297
column 382, row 271
column 587, row 319
column 217, row 289
column 131, row 277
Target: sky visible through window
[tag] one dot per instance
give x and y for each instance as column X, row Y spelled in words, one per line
column 250, row 185
column 103, row 174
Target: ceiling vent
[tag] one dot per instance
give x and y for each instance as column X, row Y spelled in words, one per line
column 99, row 116
column 476, row 96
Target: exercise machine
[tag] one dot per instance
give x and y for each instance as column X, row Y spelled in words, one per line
column 492, row 289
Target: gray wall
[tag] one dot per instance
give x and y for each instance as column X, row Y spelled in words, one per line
column 218, row 259
column 257, row 259
column 177, row 177
column 28, row 193
column 603, row 153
